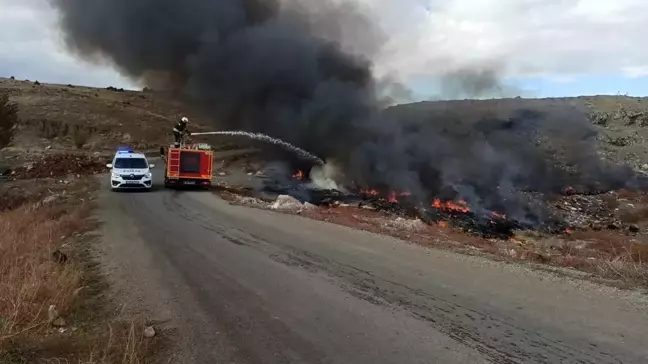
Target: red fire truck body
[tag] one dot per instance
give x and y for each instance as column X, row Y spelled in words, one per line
column 188, row 165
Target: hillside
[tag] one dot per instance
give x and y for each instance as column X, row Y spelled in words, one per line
column 621, row 121
column 53, row 117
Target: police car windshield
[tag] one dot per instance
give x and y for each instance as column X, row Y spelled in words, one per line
column 131, row 163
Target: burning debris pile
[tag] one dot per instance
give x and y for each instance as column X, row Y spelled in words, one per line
column 459, row 214
column 565, row 212
column 301, row 191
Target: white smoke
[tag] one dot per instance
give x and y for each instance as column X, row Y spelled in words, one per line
column 326, row 177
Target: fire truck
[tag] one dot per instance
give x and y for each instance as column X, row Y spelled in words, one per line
column 188, row 165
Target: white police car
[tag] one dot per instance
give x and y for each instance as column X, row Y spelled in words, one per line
column 130, row 170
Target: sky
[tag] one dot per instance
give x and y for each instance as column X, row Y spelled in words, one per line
column 536, row 48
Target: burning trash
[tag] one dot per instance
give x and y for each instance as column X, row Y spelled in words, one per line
column 459, row 206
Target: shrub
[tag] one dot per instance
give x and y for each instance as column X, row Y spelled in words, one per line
column 8, row 120
column 80, row 137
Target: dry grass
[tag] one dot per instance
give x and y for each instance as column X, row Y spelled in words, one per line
column 122, row 343
column 634, row 215
column 606, row 254
column 117, row 343
column 610, row 201
column 31, row 280
column 623, row 269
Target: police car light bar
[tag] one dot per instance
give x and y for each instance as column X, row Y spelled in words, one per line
column 124, row 149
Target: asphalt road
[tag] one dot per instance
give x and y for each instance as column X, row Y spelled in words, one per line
column 240, row 285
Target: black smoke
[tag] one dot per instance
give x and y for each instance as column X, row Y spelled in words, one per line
column 303, row 73
column 257, row 65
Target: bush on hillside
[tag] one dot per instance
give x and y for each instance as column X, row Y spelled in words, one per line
column 80, row 137
column 8, row 120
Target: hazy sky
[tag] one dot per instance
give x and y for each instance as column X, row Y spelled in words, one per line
column 547, row 47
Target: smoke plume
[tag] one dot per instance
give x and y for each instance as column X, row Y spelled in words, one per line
column 302, row 72
column 477, row 82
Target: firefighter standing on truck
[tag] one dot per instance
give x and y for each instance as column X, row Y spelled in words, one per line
column 179, row 130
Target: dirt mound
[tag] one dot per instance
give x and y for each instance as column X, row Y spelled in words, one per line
column 60, row 165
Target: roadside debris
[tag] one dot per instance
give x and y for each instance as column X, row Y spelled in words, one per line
column 59, row 322
column 60, row 165
column 406, row 224
column 53, row 317
column 50, row 199
column 59, row 257
column 149, row 332
column 285, row 202
column 309, row 206
column 248, row 201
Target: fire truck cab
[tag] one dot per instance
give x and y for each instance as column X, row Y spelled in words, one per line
column 188, row 165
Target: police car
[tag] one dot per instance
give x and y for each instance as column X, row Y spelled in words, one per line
column 130, row 170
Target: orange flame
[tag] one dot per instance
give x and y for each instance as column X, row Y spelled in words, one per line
column 443, row 224
column 459, row 206
column 299, row 174
column 499, row 215
column 516, row 239
column 391, row 197
column 568, row 231
column 370, row 192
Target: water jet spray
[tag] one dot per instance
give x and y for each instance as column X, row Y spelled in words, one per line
column 266, row 138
